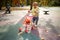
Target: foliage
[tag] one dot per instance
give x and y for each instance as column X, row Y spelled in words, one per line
column 28, row 2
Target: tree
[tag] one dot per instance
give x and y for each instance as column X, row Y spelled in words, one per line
column 0, row 4
column 27, row 1
column 31, row 4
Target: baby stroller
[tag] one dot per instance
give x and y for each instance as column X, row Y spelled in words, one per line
column 27, row 23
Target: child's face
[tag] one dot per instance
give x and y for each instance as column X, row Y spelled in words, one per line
column 35, row 4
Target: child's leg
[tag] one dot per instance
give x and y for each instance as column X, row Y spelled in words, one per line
column 33, row 19
column 36, row 20
column 9, row 11
column 6, row 11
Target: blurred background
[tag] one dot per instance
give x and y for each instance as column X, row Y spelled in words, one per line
column 15, row 3
column 49, row 20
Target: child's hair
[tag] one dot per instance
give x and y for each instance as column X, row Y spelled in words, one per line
column 35, row 4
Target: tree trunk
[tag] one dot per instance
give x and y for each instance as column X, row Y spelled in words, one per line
column 31, row 4
column 0, row 4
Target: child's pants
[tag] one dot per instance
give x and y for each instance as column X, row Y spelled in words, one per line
column 35, row 20
column 8, row 10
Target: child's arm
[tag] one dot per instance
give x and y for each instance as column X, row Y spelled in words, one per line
column 37, row 10
column 29, row 11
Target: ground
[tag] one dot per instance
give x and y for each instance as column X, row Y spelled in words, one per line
column 48, row 27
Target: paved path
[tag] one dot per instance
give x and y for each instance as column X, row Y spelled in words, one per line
column 9, row 25
column 13, row 18
column 48, row 26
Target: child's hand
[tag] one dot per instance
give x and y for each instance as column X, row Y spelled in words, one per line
column 28, row 11
column 36, row 11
